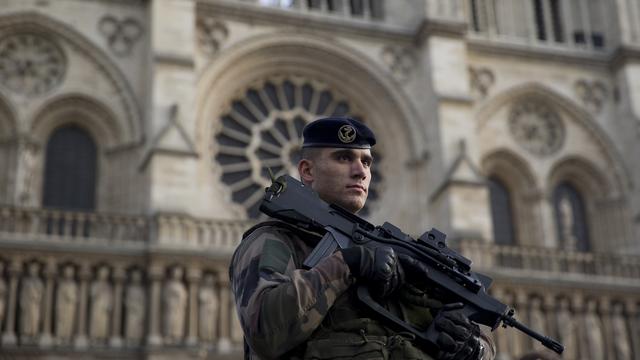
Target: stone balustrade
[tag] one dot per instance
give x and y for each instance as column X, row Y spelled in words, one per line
column 166, row 230
column 188, row 232
column 38, row 223
column 549, row 260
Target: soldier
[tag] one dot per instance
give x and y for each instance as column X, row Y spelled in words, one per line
column 288, row 312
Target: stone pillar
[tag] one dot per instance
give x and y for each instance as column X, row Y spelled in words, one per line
column 119, row 275
column 193, row 278
column 634, row 326
column 173, row 160
column 520, row 340
column 9, row 335
column 577, row 303
column 501, row 340
column 81, row 340
column 460, row 202
column 46, row 339
column 607, row 329
column 224, row 340
column 156, row 273
column 549, row 310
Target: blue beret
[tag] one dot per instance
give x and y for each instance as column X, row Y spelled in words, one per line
column 338, row 132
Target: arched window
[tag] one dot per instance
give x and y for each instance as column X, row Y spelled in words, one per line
column 501, row 212
column 571, row 218
column 70, row 170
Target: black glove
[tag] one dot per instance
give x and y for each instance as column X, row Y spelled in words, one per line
column 378, row 267
column 459, row 338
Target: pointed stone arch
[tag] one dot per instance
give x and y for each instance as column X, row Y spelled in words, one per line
column 524, row 190
column 81, row 110
column 608, row 219
column 619, row 178
column 128, row 110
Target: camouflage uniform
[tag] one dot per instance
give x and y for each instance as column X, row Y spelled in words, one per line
column 290, row 313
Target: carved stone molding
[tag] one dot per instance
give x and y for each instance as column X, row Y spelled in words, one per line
column 400, row 60
column 536, row 127
column 482, row 79
column 121, row 34
column 592, row 93
column 211, row 34
column 30, row 64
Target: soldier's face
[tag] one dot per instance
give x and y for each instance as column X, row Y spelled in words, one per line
column 339, row 176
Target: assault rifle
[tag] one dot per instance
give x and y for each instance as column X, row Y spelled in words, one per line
column 449, row 273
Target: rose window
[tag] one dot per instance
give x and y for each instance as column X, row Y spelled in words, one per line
column 263, row 130
column 30, row 64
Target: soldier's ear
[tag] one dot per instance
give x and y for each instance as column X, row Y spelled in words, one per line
column 305, row 169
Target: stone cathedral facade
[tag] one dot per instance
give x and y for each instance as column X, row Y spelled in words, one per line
column 135, row 137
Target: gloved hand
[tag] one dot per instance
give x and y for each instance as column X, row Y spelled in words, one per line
column 379, row 268
column 459, row 338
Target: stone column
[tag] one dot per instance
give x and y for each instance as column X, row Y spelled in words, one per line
column 81, row 340
column 224, row 341
column 119, row 275
column 607, row 329
column 156, row 273
column 519, row 339
column 49, row 273
column 9, row 336
column 549, row 310
column 502, row 342
column 577, row 302
column 634, row 325
column 193, row 278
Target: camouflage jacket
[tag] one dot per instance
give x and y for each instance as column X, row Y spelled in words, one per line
column 290, row 313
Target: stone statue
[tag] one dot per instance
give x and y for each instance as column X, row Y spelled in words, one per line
column 567, row 220
column 537, row 320
column 175, row 305
column 567, row 330
column 31, row 302
column 26, row 174
column 594, row 338
column 135, row 303
column 66, row 303
column 208, row 305
column 621, row 344
column 101, row 296
column 3, row 295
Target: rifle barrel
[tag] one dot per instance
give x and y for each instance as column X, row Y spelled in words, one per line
column 546, row 341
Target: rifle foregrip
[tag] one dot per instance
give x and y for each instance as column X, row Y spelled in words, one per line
column 327, row 246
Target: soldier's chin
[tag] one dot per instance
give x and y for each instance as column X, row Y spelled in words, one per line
column 353, row 205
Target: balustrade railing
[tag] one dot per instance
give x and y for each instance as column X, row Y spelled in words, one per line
column 72, row 225
column 494, row 256
column 91, row 227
